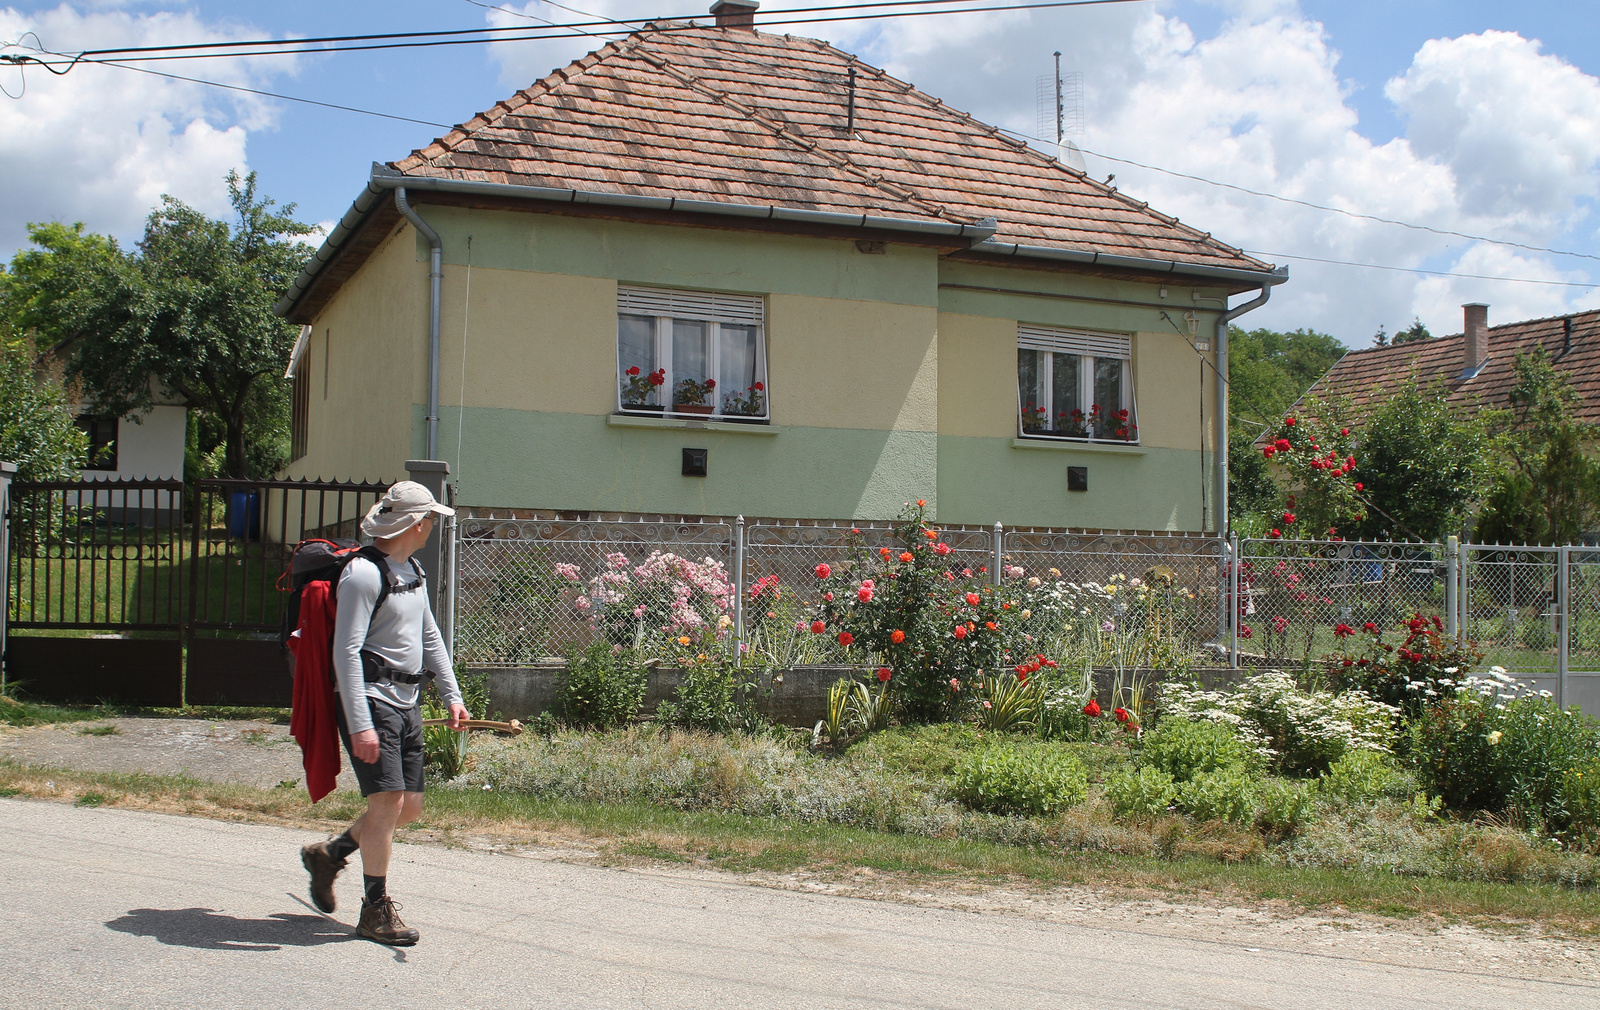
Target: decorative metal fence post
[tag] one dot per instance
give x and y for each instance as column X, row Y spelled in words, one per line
column 738, row 587
column 1230, row 557
column 7, row 472
column 1562, row 610
column 1452, row 622
column 996, row 569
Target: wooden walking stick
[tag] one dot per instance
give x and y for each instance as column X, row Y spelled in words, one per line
column 514, row 728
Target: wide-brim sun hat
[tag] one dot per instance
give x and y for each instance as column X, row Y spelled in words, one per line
column 401, row 507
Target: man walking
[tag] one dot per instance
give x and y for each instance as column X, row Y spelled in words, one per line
column 381, row 656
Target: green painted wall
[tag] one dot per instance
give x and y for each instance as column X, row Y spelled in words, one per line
column 581, row 462
column 987, row 480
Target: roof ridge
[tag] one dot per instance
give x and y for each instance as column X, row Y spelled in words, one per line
column 786, row 131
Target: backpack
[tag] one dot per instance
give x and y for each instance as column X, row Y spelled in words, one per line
column 320, row 560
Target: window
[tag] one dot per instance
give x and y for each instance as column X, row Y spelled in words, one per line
column 300, row 408
column 102, row 435
column 691, row 352
column 1073, row 384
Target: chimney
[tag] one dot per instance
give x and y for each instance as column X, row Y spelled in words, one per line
column 1475, row 338
column 735, row 14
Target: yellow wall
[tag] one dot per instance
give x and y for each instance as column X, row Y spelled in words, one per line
column 371, row 345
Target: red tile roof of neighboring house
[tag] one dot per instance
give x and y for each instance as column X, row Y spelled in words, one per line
column 739, row 116
column 1572, row 341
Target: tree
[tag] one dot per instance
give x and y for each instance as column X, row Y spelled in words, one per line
column 1549, row 490
column 192, row 308
column 1416, row 331
column 38, row 429
column 1422, row 465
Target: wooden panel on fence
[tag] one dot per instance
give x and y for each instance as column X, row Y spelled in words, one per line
column 232, row 671
column 128, row 671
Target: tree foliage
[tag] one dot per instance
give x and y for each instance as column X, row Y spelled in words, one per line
column 37, row 429
column 191, row 308
column 1549, row 490
column 1423, row 462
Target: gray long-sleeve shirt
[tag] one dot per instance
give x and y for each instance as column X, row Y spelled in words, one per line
column 403, row 632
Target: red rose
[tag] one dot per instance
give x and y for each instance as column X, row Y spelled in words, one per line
column 1369, row 626
column 828, row 597
column 884, row 673
column 1121, row 714
column 897, row 636
column 1343, row 630
column 941, row 549
column 758, row 387
column 846, row 639
column 823, row 571
column 634, row 370
column 960, row 632
column 1359, row 486
column 1282, row 445
column 817, row 627
column 1267, row 451
column 1290, row 422
column 1344, row 431
column 906, row 556
column 972, row 599
column 864, row 594
column 711, row 383
column 1288, row 518
column 1092, row 710
column 920, row 503
column 990, row 625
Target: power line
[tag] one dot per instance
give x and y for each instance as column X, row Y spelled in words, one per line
column 1420, row 270
column 1318, row 206
column 286, row 47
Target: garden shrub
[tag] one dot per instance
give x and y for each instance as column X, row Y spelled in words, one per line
column 1502, row 752
column 1227, row 794
column 1141, row 792
column 717, row 697
column 1184, row 748
column 601, row 688
column 1580, row 802
column 1007, row 779
column 1363, row 776
column 1424, row 668
column 1284, row 807
column 1297, row 731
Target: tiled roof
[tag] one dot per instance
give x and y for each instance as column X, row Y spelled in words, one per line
column 1572, row 341
column 724, row 114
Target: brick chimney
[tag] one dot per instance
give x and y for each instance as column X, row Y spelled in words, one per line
column 1475, row 339
column 735, row 14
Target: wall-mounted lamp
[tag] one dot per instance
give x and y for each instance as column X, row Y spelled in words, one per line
column 694, row 462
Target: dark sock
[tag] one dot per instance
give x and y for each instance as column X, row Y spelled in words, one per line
column 341, row 847
column 377, row 888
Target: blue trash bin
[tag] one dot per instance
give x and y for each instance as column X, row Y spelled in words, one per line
column 244, row 515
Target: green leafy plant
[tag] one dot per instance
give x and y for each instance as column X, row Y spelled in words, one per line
column 1007, row 703
column 716, row 696
column 1007, row 779
column 1183, row 748
column 443, row 749
column 873, row 705
column 1419, row 668
column 1363, row 776
column 838, row 718
column 602, row 687
column 1284, row 807
column 1141, row 792
column 1227, row 794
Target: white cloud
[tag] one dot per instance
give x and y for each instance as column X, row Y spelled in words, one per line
column 101, row 144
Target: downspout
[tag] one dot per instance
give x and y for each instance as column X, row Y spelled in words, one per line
column 1220, row 463
column 435, row 276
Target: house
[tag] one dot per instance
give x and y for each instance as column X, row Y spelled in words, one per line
column 1475, row 365
column 706, row 270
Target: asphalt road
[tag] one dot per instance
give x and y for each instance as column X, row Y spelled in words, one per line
column 111, row 908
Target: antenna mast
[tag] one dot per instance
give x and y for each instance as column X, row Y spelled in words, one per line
column 1060, row 108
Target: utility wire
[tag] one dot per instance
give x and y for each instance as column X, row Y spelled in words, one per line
column 1316, row 206
column 1420, row 270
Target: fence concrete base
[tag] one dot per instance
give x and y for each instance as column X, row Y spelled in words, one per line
column 796, row 697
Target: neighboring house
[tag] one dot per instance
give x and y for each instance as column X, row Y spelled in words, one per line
column 711, row 271
column 1475, row 365
column 146, row 445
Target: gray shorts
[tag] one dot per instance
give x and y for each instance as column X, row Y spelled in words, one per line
column 399, row 764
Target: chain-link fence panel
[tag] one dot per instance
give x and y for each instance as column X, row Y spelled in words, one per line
column 1113, row 600
column 529, row 590
column 1293, row 594
column 1582, row 687
column 780, row 583
column 1509, row 609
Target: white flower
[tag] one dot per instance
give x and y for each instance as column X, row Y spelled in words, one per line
column 1494, row 737
column 1451, row 669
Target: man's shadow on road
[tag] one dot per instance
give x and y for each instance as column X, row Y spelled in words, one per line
column 208, row 929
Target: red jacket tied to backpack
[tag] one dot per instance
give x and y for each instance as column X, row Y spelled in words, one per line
column 312, row 720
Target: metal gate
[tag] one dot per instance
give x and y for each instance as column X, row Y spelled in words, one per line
column 153, row 593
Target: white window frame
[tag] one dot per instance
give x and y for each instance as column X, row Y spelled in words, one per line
column 716, row 309
column 1086, row 346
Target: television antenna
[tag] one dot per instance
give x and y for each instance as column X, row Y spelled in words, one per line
column 1059, row 108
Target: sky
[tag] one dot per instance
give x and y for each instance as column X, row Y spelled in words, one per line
column 1465, row 116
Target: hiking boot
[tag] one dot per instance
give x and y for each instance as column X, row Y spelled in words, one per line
column 323, row 867
column 380, row 922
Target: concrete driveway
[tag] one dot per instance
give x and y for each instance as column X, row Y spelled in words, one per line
column 112, row 908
